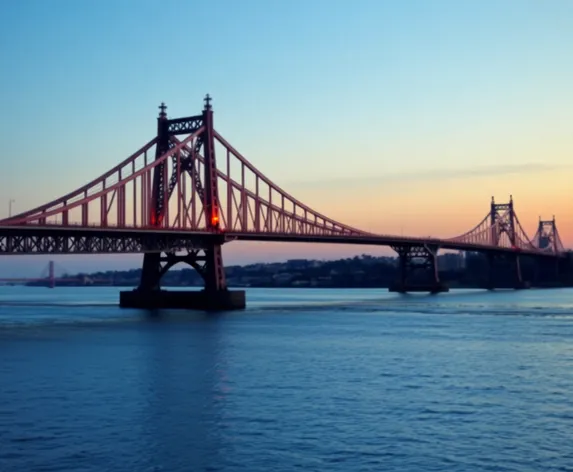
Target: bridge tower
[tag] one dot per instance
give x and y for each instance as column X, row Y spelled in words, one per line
column 206, row 258
column 547, row 235
column 51, row 275
column 549, row 271
column 502, row 221
column 417, row 269
column 504, row 269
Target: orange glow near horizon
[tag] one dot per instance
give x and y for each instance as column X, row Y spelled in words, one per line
column 447, row 207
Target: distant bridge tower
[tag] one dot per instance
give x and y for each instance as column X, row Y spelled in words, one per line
column 547, row 235
column 550, row 271
column 504, row 268
column 51, row 275
column 502, row 221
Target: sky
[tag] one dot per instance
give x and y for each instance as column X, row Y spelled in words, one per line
column 394, row 117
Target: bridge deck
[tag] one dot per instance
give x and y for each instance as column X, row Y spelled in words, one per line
column 54, row 239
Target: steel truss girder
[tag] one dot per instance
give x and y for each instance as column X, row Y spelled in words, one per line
column 99, row 243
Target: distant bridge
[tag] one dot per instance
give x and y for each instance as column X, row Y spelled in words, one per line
column 49, row 278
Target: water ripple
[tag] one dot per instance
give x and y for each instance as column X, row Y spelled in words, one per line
column 303, row 380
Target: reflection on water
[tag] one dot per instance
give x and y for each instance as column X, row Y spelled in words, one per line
column 303, row 379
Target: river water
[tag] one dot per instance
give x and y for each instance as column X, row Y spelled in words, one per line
column 314, row 380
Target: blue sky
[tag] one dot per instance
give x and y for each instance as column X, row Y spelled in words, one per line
column 391, row 105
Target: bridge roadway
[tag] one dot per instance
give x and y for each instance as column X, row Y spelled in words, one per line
column 49, row 239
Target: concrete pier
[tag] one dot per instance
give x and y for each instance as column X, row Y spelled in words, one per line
column 222, row 300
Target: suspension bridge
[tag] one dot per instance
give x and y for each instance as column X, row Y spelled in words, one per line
column 188, row 191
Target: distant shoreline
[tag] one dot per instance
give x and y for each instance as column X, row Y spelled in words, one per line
column 468, row 271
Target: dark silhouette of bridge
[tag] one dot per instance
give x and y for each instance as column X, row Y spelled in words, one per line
column 173, row 201
column 50, row 279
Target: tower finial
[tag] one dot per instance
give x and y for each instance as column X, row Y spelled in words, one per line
column 207, row 101
column 162, row 109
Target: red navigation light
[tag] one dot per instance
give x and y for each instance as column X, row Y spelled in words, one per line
column 215, row 219
column 156, row 220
